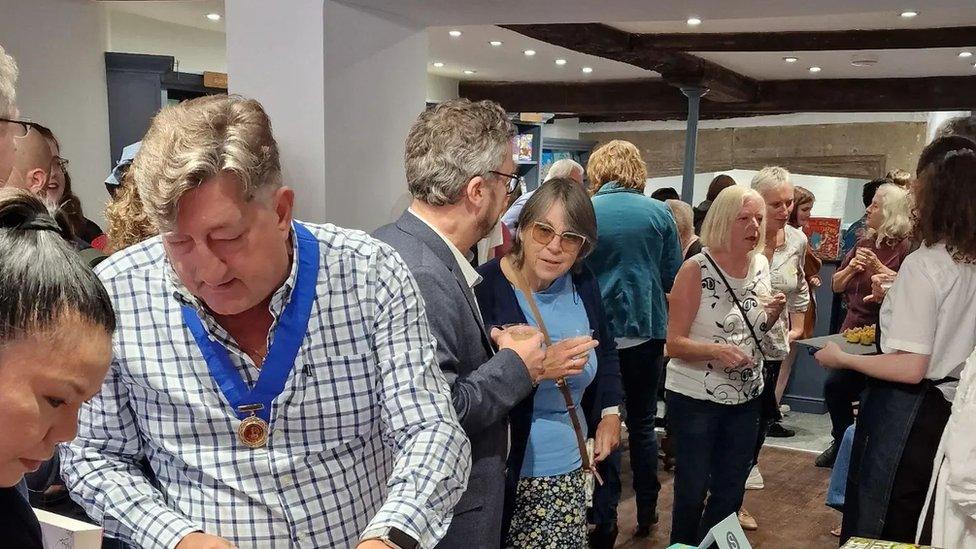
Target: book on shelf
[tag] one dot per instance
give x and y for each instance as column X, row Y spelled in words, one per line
column 522, row 148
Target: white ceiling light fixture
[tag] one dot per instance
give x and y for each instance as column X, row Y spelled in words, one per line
column 965, row 54
column 495, row 43
column 560, row 62
column 694, row 21
column 438, row 64
column 469, row 71
column 790, row 59
column 529, row 53
column 587, row 70
column 213, row 16
column 455, row 33
column 908, row 14
column 815, row 69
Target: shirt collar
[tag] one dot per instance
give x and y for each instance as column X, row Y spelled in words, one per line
column 471, row 276
column 278, row 300
column 614, row 187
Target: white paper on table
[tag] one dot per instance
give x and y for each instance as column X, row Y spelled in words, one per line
column 60, row 532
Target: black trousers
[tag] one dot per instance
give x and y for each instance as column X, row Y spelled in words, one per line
column 769, row 409
column 841, row 390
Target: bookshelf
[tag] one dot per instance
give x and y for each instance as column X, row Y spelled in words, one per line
column 529, row 167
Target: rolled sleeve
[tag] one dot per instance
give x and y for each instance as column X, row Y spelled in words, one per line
column 433, row 455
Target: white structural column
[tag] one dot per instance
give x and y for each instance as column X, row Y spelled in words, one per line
column 342, row 86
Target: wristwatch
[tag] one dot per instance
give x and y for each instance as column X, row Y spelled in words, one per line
column 397, row 539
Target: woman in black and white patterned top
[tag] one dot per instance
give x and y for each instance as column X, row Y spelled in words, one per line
column 721, row 309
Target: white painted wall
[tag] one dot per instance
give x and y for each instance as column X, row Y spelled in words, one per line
column 286, row 76
column 441, row 88
column 836, row 196
column 561, row 128
column 342, row 93
column 375, row 86
column 58, row 45
column 196, row 50
column 796, row 119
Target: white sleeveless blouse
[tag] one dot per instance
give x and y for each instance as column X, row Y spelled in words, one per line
column 719, row 321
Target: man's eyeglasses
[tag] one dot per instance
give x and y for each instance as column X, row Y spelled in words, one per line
column 514, row 181
column 21, row 127
column 570, row 242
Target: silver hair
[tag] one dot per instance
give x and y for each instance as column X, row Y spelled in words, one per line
column 8, row 80
column 452, row 143
column 770, row 178
column 564, row 168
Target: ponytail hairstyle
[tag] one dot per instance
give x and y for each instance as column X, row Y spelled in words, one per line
column 42, row 277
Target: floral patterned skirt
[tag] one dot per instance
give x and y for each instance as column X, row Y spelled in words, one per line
column 550, row 513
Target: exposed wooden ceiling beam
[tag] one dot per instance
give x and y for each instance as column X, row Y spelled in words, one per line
column 676, row 68
column 884, row 39
column 653, row 99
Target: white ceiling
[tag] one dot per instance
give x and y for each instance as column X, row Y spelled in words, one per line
column 192, row 13
column 471, row 50
column 479, row 12
column 508, row 62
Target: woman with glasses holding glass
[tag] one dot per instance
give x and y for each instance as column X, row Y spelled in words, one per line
column 637, row 258
column 542, row 282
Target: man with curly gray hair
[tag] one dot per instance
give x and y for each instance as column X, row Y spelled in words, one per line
column 278, row 377
column 8, row 112
column 460, row 171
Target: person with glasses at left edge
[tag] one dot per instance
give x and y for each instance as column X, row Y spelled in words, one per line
column 459, row 170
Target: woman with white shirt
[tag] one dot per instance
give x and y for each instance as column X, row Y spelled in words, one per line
column 785, row 248
column 927, row 331
column 721, row 308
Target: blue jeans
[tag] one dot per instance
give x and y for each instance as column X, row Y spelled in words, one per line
column 838, row 476
column 714, row 445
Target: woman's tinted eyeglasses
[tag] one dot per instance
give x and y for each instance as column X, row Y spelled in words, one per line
column 569, row 242
column 514, row 181
column 21, row 127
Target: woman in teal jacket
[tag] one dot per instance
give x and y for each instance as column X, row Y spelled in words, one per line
column 635, row 261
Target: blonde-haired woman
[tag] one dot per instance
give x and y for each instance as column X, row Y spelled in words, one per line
column 722, row 309
column 635, row 261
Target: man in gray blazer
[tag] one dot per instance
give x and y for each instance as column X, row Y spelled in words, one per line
column 460, row 171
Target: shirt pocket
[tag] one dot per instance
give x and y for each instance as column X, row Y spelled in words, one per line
column 336, row 401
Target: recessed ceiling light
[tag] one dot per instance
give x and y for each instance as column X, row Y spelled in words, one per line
column 495, row 43
column 469, row 71
column 908, row 14
column 965, row 54
column 587, row 70
column 455, row 33
column 529, row 53
column 560, row 62
column 438, row 64
column 815, row 69
column 213, row 16
column 790, row 59
column 694, row 21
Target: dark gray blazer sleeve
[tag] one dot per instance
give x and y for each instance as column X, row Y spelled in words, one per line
column 486, row 394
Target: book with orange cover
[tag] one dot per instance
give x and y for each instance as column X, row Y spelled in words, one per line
column 824, row 236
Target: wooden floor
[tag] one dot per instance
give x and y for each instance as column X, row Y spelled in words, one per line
column 790, row 510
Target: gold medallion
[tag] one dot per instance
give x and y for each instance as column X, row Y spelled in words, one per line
column 253, row 431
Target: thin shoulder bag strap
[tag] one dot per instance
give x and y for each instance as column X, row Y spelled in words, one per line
column 561, row 382
column 738, row 305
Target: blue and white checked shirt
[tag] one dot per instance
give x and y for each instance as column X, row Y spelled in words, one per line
column 363, row 437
